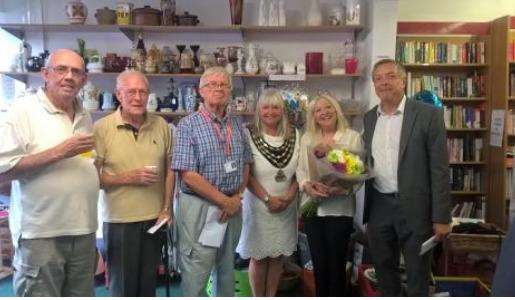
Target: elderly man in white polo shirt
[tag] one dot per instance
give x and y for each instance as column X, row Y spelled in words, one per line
column 46, row 145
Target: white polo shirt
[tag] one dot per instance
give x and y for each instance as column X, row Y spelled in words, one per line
column 61, row 198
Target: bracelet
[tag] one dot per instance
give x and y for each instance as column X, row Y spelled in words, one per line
column 266, row 199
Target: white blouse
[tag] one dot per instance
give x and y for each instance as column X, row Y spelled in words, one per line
column 343, row 205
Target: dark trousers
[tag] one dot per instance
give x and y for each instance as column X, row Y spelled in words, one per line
column 328, row 239
column 388, row 234
column 133, row 256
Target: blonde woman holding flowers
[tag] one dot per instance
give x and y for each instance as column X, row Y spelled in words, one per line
column 269, row 229
column 329, row 228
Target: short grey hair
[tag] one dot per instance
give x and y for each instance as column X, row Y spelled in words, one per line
column 122, row 77
column 401, row 71
column 215, row 70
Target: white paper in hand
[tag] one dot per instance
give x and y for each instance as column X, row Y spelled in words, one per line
column 154, row 228
column 213, row 232
column 428, row 245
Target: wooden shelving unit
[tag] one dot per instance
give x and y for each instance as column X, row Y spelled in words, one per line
column 467, row 129
column 418, row 49
column 438, row 66
column 466, row 163
column 502, row 33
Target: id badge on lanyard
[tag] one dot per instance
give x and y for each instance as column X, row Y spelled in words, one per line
column 230, row 166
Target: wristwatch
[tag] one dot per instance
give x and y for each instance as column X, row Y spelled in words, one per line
column 266, row 199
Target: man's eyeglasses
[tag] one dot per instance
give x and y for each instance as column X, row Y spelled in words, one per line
column 63, row 70
column 216, row 85
column 134, row 92
column 389, row 77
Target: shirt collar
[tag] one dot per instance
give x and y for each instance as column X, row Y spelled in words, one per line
column 50, row 107
column 119, row 122
column 399, row 111
column 214, row 117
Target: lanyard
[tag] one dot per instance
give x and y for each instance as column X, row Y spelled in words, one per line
column 218, row 130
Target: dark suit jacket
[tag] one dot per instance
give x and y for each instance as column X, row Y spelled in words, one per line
column 504, row 279
column 423, row 171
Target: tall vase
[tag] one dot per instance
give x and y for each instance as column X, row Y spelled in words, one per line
column 263, row 13
column 315, row 14
column 282, row 13
column 273, row 13
column 251, row 66
column 236, row 7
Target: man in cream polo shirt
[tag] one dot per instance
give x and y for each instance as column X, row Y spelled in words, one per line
column 45, row 149
column 134, row 151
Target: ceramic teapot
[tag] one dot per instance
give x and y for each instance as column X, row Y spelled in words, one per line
column 106, row 16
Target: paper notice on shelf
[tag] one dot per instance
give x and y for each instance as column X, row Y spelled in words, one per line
column 497, row 127
column 213, row 232
column 154, row 228
column 428, row 245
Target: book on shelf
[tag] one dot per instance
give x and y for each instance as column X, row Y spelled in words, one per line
column 464, row 149
column 511, row 50
column 459, row 117
column 466, row 179
column 473, row 85
column 469, row 210
column 510, row 185
column 510, row 121
column 431, row 52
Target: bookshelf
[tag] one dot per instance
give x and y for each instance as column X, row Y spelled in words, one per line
column 455, row 64
column 503, row 69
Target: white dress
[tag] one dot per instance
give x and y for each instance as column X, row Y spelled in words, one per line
column 265, row 234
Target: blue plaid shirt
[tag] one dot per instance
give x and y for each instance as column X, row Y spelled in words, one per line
column 198, row 148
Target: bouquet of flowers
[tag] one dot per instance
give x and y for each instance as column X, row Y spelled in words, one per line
column 340, row 169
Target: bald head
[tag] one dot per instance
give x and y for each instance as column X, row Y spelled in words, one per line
column 64, row 76
column 64, row 57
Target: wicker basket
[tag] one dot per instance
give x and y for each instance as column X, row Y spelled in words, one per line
column 474, row 242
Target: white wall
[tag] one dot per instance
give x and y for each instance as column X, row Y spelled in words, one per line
column 379, row 43
column 455, row 10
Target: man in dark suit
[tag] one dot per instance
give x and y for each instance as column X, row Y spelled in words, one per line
column 408, row 199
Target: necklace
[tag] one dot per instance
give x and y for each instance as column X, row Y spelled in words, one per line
column 280, row 156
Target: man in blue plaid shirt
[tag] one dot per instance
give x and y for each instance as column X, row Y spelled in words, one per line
column 212, row 156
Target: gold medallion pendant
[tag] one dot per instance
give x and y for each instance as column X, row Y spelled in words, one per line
column 280, row 176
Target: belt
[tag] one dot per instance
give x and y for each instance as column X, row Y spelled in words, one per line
column 389, row 195
column 195, row 194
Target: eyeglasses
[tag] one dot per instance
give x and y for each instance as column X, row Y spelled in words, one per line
column 389, row 77
column 134, row 92
column 63, row 70
column 216, row 85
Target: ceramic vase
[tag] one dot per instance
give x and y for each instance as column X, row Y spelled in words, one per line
column 314, row 14
column 76, row 11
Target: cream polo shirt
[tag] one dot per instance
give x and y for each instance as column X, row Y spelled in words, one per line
column 61, row 198
column 118, row 150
